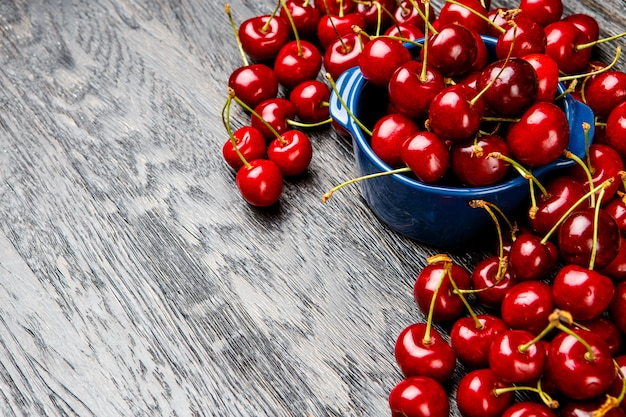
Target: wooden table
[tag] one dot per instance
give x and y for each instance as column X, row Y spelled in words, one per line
column 134, row 281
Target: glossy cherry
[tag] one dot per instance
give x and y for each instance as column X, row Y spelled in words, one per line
column 465, row 13
column 262, row 37
column 616, row 129
column 310, row 100
column 405, row 31
column 617, row 308
column 603, row 92
column 616, row 270
column 389, row 134
column 586, row 23
column 405, row 12
column 427, row 155
column 298, row 61
column 305, row 17
column 277, row 112
column 455, row 114
column 331, row 27
column 547, row 72
column 562, row 193
column 513, row 358
column 452, row 50
column 250, row 143
column 527, row 306
column 529, row 409
column 335, row 7
column 471, row 338
column 476, row 394
column 370, row 11
column 530, row 258
column 524, row 37
column 343, row 54
column 605, row 163
column 411, row 88
column 472, row 164
column 543, row 12
column 260, row 182
column 254, row 83
column 380, row 58
column 563, row 39
column 292, row 152
column 604, row 328
column 586, row 294
column 490, row 287
column 419, row 396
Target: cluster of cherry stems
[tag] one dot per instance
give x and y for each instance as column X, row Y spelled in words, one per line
column 553, row 297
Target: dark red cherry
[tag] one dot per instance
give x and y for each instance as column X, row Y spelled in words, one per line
column 260, row 183
column 427, row 155
column 305, row 17
column 419, row 396
column 372, row 11
column 434, row 278
column 254, row 83
column 411, row 89
column 250, row 143
column 454, row 114
column 618, row 383
column 276, row 112
column 588, row 408
column 605, row 329
column 562, row 193
column 465, row 13
column 543, row 12
column 331, row 27
column 476, row 394
column 616, row 270
column 343, row 54
column 514, row 359
column 452, row 51
column 616, row 129
column 310, row 99
column 405, row 31
column 586, row 294
column 389, row 134
column 335, row 7
column 529, row 409
column 262, row 37
column 527, row 306
column 586, row 23
column 405, row 12
column 603, row 92
column 580, row 234
column 472, row 164
column 490, row 287
column 562, row 41
column 529, row 37
column 297, row 62
column 471, row 340
column 547, row 72
column 419, row 354
column 292, row 152
column 540, row 136
column 617, row 308
column 576, row 373
column 530, row 258
column 380, row 58
column 606, row 163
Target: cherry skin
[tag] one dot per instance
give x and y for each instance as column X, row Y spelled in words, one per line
column 528, row 409
column 418, row 355
column 586, row 294
column 310, row 100
column 261, row 183
column 605, row 329
column 588, row 408
column 250, row 143
column 305, row 17
column 586, row 23
column 432, row 277
column 405, row 12
column 523, row 38
column 335, row 7
column 616, row 270
column 292, row 152
column 331, row 27
column 510, row 363
column 476, row 395
column 616, row 387
column 527, row 306
column 453, row 115
column 296, row 62
column 276, row 112
column 463, row 15
column 261, row 40
column 419, row 396
column 540, row 136
column 603, row 92
column 530, row 258
column 543, row 12
column 389, row 134
column 452, row 51
column 562, row 193
column 617, row 308
column 562, row 41
column 616, row 128
column 492, row 288
column 547, row 72
column 254, row 83
column 576, row 374
column 606, row 164
column 380, row 58
column 409, row 93
column 427, row 155
column 343, row 54
column 405, row 31
column 471, row 342
column 370, row 13
column 472, row 164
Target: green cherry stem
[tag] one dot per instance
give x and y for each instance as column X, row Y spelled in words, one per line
column 257, row 115
column 294, row 29
column 226, row 123
column 483, row 17
column 586, row 76
column 330, row 193
column 596, row 221
column 234, row 27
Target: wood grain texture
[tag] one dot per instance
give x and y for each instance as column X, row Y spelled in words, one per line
column 134, row 281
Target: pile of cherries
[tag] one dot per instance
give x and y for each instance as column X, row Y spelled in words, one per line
column 536, row 329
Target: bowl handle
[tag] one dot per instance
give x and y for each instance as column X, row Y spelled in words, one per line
column 345, row 87
column 582, row 113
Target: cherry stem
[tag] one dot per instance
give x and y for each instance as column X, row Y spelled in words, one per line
column 447, row 266
column 379, row 16
column 329, row 194
column 585, row 167
column 589, row 356
column 599, row 41
column 266, row 26
column 596, row 221
column 295, row 123
column 483, row 17
column 234, row 26
column 525, row 173
column 554, row 320
column 545, row 397
column 605, row 184
column 618, row 52
column 343, row 103
column 293, row 27
column 502, row 264
column 570, row 89
column 257, row 115
column 429, row 27
column 226, row 123
column 424, row 74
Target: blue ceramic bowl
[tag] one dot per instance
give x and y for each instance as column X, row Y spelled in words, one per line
column 437, row 215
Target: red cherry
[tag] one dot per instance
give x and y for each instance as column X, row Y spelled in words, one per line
column 433, row 278
column 452, row 51
column 380, row 58
column 335, row 7
column 260, row 183
column 530, row 258
column 389, row 134
column 427, row 155
column 605, row 329
column 472, row 164
column 547, row 72
column 305, row 17
column 617, row 308
column 528, row 409
column 343, row 54
column 527, row 306
column 410, row 93
column 540, row 136
column 405, row 31
column 603, row 92
column 418, row 354
column 562, row 193
column 454, row 114
column 406, row 13
column 524, row 37
column 543, row 12
column 616, row 129
column 576, row 373
column 491, row 288
column 471, row 341
column 250, row 143
column 292, row 152
column 588, row 408
column 370, row 13
column 310, row 100
column 419, row 396
column 254, row 83
column 512, row 364
column 263, row 36
column 586, row 23
column 466, row 13
column 276, row 112
column 296, row 62
column 332, row 27
column 586, row 294
column 476, row 394
column 562, row 41
column 616, row 270
column 606, row 164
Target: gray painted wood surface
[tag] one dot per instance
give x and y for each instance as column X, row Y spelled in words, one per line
column 134, row 281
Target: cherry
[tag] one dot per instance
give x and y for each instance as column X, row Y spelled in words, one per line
column 427, row 155
column 563, row 39
column 527, row 306
column 260, row 182
column 515, row 358
column 407, row 13
column 616, row 270
column 335, row 7
column 292, row 152
column 616, row 129
column 540, row 136
column 305, row 17
column 562, row 192
column 617, row 308
column 389, row 134
column 251, row 144
column 543, row 12
column 530, row 258
column 434, row 280
column 528, row 409
column 580, row 370
column 254, row 83
column 490, row 286
column 405, row 31
column 522, row 37
column 412, row 88
column 376, row 12
column 588, row 408
column 472, row 165
column 262, row 37
column 452, row 51
column 276, row 112
column 618, row 383
column 419, row 396
column 603, row 92
column 547, row 72
column 605, row 164
column 421, row 351
column 381, row 56
column 460, row 12
column 310, row 100
column 605, row 329
column 343, row 54
column 296, row 62
column 476, row 394
column 514, row 89
column 471, row 338
column 586, row 23
column 331, row 27
column 456, row 112
column 586, row 294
